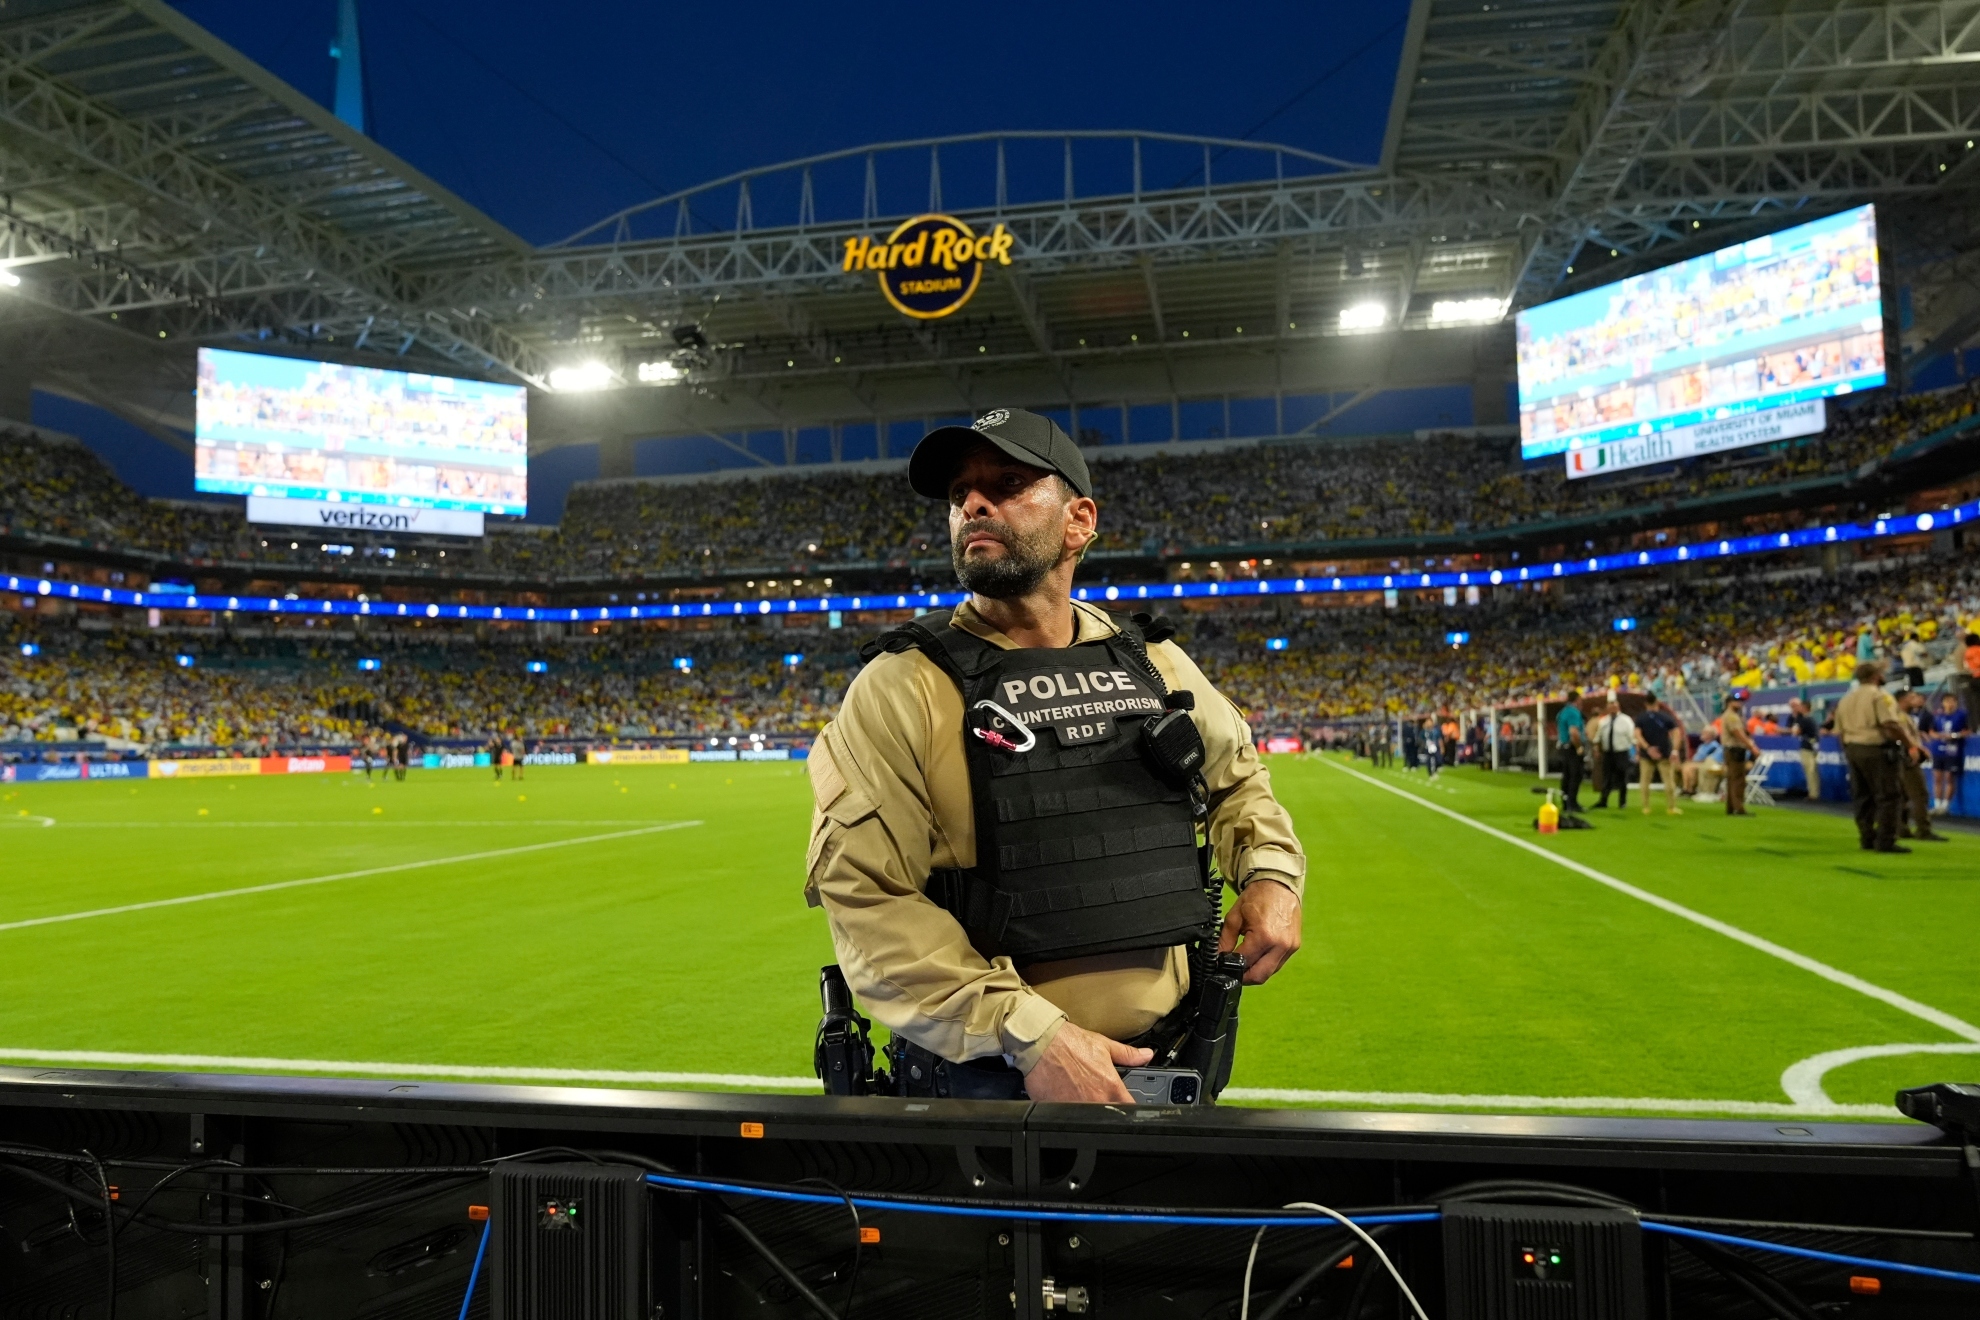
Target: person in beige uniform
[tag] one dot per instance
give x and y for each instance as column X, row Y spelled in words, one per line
column 1872, row 732
column 894, row 804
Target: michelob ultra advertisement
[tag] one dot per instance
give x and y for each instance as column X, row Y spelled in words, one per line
column 930, row 265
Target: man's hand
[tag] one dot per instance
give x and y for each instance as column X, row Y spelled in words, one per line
column 1266, row 917
column 1080, row 1065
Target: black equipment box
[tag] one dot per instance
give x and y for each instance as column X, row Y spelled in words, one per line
column 1523, row 1262
column 568, row 1242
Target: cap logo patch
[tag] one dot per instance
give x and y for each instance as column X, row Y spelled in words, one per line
column 995, row 417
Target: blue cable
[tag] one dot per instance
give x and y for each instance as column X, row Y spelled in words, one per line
column 475, row 1273
column 1809, row 1253
column 1254, row 1221
column 1049, row 1216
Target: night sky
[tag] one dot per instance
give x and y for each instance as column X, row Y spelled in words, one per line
column 550, row 117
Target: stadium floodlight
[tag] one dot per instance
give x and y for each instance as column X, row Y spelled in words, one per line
column 1364, row 316
column 1450, row 311
column 8, row 279
column 584, row 376
column 30, row 649
column 1624, row 625
column 684, row 663
column 183, row 660
column 658, row 373
column 369, row 664
column 793, row 658
column 1275, row 643
column 536, row 667
column 1457, row 638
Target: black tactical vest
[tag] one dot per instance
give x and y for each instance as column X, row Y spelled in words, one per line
column 1080, row 847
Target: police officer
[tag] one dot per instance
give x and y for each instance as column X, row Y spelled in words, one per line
column 1873, row 738
column 1009, row 888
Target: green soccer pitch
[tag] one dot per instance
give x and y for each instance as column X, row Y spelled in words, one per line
column 644, row 926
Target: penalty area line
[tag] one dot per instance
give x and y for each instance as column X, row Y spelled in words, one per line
column 1904, row 1003
column 274, row 886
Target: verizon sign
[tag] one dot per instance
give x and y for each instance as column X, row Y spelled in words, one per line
column 329, row 516
column 1755, row 428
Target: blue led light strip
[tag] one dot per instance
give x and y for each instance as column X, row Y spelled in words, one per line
column 1027, row 1213
column 1808, row 1253
column 1730, row 548
column 1056, row 1215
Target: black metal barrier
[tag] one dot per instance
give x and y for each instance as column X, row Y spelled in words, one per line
column 239, row 1198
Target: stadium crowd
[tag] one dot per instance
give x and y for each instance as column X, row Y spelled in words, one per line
column 249, row 690
column 1167, row 503
column 290, row 688
column 1704, row 638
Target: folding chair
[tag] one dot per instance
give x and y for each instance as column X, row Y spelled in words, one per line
column 1756, row 780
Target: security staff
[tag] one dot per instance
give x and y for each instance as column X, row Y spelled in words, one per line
column 1023, row 964
column 1873, row 739
column 1915, row 820
column 1615, row 735
column 1571, row 745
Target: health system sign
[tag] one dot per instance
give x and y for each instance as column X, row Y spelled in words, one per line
column 1704, row 438
column 930, row 265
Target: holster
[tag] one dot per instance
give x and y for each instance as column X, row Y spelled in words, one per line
column 921, row 1073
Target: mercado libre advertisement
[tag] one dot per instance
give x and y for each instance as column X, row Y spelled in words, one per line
column 289, row 429
column 1758, row 327
column 637, row 756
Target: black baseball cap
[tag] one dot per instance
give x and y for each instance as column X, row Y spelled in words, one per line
column 1025, row 436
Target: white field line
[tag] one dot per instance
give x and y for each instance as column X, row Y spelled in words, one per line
column 1379, row 1099
column 1630, row 1104
column 348, row 1067
column 325, row 823
column 1803, row 1081
column 274, row 886
column 1903, row 1003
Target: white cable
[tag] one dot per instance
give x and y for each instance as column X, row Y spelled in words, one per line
column 1373, row 1246
column 1244, row 1304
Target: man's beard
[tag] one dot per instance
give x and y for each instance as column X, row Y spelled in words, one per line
column 1016, row 572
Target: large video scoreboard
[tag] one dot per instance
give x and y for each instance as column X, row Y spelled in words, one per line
column 1740, row 346
column 364, row 447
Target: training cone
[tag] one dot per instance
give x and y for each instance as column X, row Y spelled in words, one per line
column 1550, row 816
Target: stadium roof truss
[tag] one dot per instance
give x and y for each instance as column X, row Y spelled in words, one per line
column 165, row 186
column 161, row 183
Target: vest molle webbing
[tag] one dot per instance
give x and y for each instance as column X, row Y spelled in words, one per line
column 1080, row 847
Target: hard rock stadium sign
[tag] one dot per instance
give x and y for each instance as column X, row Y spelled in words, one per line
column 930, row 265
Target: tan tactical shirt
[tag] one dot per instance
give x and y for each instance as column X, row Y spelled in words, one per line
column 892, row 803
column 1862, row 712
